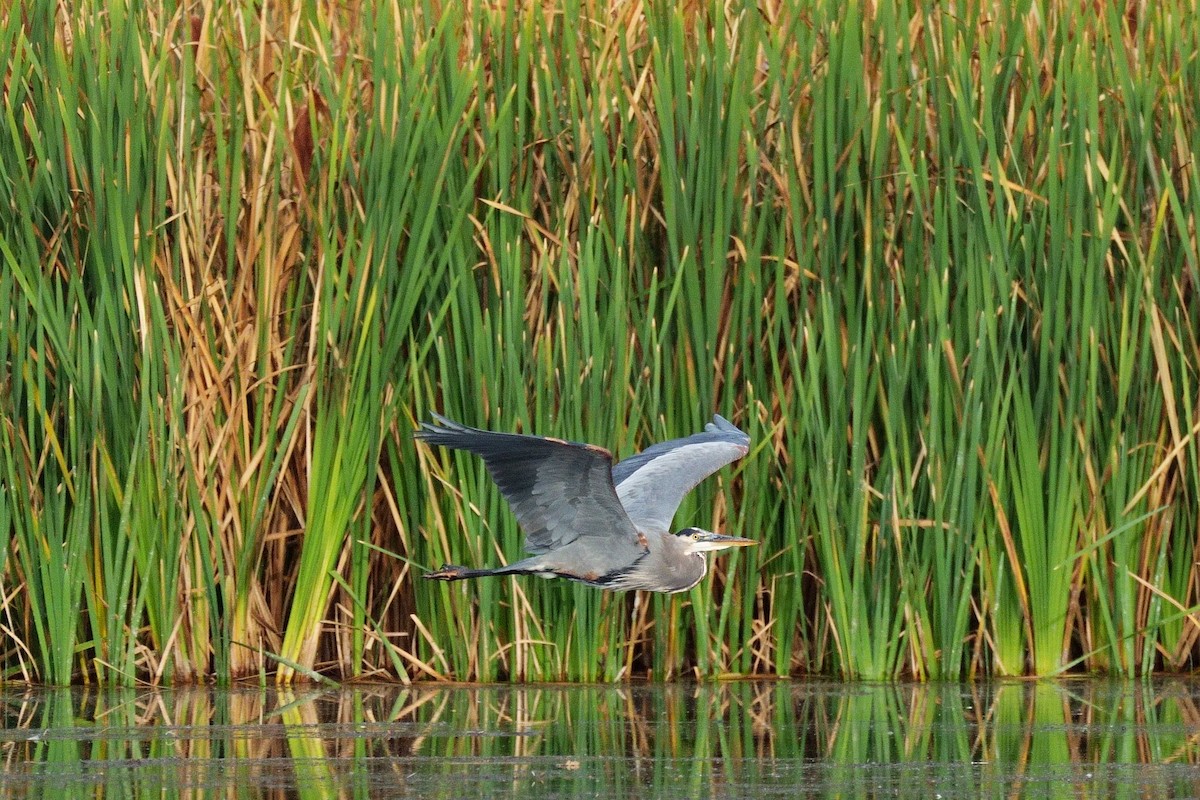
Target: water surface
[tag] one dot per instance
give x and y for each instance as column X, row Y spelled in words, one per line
column 1068, row 739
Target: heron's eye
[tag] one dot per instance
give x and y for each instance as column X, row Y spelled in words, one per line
column 695, row 537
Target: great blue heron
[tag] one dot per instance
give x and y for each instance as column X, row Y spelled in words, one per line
column 592, row 522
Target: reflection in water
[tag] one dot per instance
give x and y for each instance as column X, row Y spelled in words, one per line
column 1067, row 739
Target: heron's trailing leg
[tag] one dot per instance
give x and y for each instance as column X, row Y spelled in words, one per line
column 529, row 566
column 453, row 572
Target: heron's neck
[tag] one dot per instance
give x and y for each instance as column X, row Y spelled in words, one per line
column 687, row 567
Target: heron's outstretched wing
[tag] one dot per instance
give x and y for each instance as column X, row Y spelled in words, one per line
column 651, row 484
column 560, row 491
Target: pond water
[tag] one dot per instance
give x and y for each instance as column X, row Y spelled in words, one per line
column 1068, row 739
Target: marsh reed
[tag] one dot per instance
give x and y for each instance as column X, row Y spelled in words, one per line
column 942, row 268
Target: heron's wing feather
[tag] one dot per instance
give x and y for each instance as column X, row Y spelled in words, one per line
column 560, row 491
column 652, row 484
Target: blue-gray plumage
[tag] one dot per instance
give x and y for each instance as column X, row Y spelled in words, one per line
column 592, row 522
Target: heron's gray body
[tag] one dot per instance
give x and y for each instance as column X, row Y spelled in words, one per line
column 590, row 521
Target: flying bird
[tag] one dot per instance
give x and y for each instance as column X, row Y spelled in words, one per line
column 592, row 522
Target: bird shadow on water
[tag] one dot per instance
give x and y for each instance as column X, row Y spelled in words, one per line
column 755, row 739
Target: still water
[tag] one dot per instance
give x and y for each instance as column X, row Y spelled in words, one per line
column 1074, row 739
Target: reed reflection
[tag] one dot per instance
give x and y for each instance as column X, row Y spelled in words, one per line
column 1001, row 739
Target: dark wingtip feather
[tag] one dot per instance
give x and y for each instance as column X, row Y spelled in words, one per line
column 441, row 427
column 721, row 425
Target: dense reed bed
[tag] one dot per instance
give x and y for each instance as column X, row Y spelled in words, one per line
column 941, row 266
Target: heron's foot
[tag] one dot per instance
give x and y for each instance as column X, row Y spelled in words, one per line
column 448, row 572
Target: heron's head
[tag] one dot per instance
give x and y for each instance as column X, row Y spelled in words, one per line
column 699, row 540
